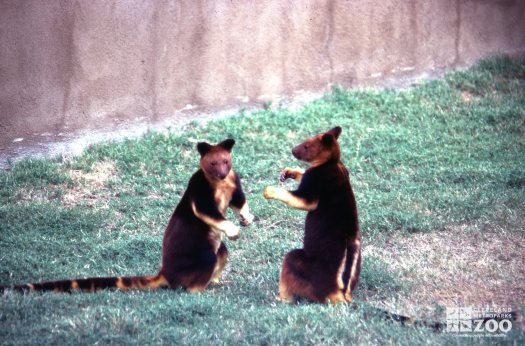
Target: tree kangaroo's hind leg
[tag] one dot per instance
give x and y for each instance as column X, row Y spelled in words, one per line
column 294, row 278
column 194, row 272
column 352, row 268
column 222, row 258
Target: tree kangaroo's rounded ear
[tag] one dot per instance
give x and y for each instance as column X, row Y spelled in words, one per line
column 203, row 148
column 227, row 144
column 328, row 139
column 336, row 131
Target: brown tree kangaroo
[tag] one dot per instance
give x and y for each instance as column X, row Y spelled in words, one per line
column 193, row 254
column 327, row 267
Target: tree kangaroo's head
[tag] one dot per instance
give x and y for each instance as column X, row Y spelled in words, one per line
column 320, row 148
column 216, row 160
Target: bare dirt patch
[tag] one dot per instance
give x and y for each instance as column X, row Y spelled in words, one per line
column 462, row 265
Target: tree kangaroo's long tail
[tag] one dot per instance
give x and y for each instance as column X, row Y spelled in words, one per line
column 94, row 284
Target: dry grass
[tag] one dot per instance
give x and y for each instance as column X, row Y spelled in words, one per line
column 461, row 265
column 90, row 187
column 87, row 188
column 98, row 177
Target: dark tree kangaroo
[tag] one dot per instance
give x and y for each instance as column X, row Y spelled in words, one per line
column 193, row 254
column 327, row 267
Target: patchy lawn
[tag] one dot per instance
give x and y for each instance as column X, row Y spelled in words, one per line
column 459, row 265
column 439, row 176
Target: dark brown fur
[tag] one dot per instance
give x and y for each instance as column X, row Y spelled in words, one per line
column 327, row 267
column 193, row 254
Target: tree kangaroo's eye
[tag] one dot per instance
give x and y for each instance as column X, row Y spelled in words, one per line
column 306, row 146
column 213, row 163
column 225, row 162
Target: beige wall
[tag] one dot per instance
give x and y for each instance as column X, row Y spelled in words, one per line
column 69, row 64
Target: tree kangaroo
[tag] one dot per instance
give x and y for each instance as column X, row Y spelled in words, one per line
column 193, row 254
column 327, row 267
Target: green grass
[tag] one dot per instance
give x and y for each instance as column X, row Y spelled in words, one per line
column 447, row 152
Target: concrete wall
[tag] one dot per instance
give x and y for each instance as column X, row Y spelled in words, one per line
column 75, row 64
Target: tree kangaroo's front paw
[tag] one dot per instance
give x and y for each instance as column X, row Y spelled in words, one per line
column 286, row 173
column 231, row 231
column 291, row 173
column 269, row 192
column 246, row 219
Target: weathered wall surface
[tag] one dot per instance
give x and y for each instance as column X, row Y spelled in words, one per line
column 68, row 64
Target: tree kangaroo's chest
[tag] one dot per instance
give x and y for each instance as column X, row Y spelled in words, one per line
column 223, row 193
